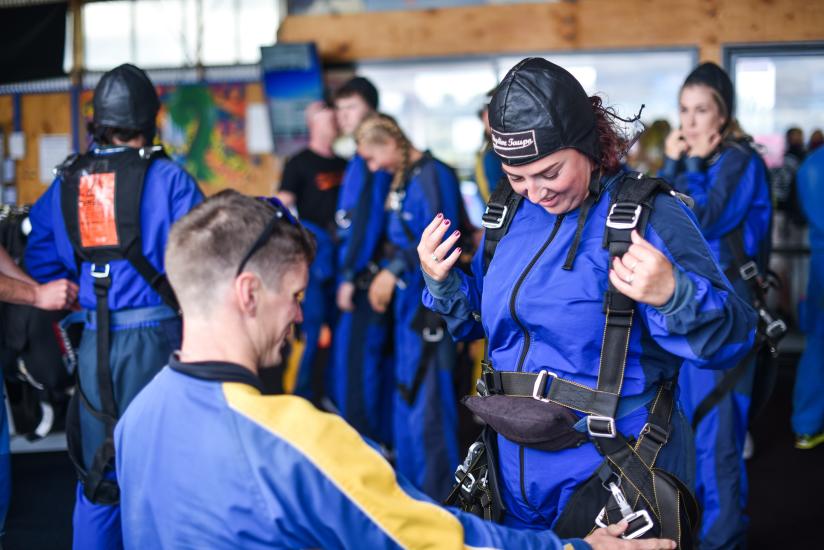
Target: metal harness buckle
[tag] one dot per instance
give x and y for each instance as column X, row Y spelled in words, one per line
column 748, row 271
column 540, row 385
column 638, row 522
column 610, row 427
column 491, row 220
column 622, row 211
column 432, row 335
column 100, row 274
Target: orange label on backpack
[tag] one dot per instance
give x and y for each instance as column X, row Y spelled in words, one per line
column 95, row 213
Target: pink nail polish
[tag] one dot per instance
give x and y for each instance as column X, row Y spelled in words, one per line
column 456, row 233
column 446, row 222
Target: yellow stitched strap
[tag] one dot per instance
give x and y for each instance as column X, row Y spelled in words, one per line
column 356, row 469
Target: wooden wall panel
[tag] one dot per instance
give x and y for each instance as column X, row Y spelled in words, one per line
column 51, row 114
column 41, row 114
column 559, row 26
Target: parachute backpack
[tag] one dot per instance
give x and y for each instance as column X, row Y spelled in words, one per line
column 101, row 202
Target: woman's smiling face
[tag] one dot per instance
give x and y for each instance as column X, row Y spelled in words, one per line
column 558, row 182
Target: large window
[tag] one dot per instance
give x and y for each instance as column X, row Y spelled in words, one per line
column 437, row 102
column 167, row 33
column 777, row 89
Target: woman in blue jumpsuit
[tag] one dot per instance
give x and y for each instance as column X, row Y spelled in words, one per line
column 424, row 408
column 808, row 406
column 360, row 377
column 708, row 159
column 541, row 302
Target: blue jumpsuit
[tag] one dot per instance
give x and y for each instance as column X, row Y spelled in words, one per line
column 425, row 430
column 144, row 331
column 207, row 463
column 729, row 191
column 538, row 316
column 360, row 377
column 318, row 306
column 808, row 406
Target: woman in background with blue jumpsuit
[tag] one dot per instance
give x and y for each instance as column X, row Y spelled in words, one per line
column 424, row 407
column 541, row 301
column 709, row 159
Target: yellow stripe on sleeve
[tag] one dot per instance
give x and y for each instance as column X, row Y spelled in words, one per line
column 356, row 469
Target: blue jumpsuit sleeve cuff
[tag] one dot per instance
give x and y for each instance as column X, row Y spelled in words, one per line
column 575, row 544
column 694, row 164
column 396, row 267
column 683, row 294
column 670, row 168
column 443, row 290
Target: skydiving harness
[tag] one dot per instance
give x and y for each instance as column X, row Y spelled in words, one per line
column 627, row 485
column 430, row 325
column 771, row 329
column 101, row 205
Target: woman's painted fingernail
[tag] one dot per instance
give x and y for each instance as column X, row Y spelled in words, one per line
column 446, row 222
column 440, row 215
column 456, row 233
column 458, row 249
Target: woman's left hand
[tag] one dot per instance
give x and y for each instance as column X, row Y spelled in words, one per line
column 381, row 290
column 643, row 273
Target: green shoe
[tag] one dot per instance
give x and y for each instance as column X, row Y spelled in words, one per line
column 807, row 442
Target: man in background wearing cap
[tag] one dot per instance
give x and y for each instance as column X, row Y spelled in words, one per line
column 360, row 384
column 311, row 184
column 104, row 222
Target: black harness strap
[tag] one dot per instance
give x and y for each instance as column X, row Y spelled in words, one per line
column 724, row 386
column 124, row 170
column 432, row 332
column 770, row 329
column 96, row 487
column 500, row 211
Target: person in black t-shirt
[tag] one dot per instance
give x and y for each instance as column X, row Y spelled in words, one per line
column 311, row 178
column 310, row 184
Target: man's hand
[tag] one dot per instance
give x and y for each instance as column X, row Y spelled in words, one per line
column 381, row 290
column 606, row 538
column 55, row 295
column 433, row 253
column 643, row 273
column 346, row 292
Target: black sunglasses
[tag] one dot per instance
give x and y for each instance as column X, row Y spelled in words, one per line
column 281, row 213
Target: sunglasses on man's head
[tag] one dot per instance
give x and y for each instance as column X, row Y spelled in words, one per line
column 281, row 213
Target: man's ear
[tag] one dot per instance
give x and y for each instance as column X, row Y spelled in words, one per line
column 247, row 288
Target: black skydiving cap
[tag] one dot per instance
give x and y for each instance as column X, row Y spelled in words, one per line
column 126, row 98
column 538, row 109
column 710, row 74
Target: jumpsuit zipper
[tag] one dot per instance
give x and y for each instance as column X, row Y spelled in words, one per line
column 527, row 339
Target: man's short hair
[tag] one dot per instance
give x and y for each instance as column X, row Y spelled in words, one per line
column 361, row 87
column 207, row 245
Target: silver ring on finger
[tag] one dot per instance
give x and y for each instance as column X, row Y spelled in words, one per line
column 630, row 278
column 634, row 266
column 435, row 258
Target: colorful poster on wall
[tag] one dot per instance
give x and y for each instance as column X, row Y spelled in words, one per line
column 203, row 128
column 291, row 80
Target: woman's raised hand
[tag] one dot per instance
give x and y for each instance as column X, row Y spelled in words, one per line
column 433, row 248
